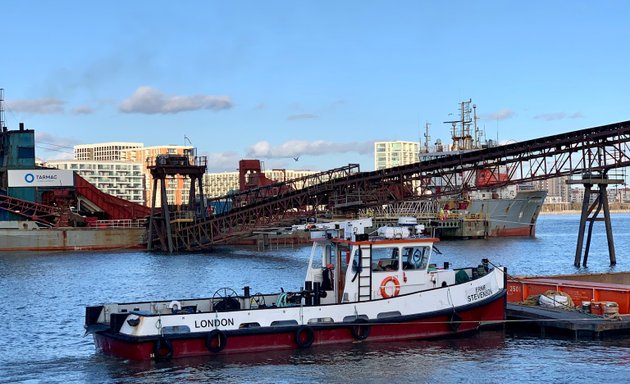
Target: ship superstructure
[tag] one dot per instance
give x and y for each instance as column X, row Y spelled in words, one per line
column 489, row 208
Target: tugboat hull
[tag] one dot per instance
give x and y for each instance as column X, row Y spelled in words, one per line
column 432, row 325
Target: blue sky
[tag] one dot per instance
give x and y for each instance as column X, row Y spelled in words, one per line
column 321, row 80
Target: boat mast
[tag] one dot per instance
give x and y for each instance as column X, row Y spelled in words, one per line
column 427, row 138
column 476, row 129
column 462, row 138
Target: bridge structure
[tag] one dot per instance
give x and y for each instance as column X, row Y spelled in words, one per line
column 592, row 150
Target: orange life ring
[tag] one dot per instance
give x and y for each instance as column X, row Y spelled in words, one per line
column 396, row 286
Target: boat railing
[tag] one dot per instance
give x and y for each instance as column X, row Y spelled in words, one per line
column 421, row 209
column 120, row 223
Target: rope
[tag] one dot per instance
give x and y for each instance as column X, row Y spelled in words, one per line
column 282, row 300
column 480, row 322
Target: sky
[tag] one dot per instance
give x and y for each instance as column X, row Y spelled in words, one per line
column 307, row 84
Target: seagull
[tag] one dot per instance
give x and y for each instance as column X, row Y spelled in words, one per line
column 296, row 158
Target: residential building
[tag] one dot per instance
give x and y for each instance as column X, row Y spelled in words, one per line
column 121, row 179
column 557, row 188
column 103, row 151
column 219, row 184
column 95, row 161
column 177, row 188
column 389, row 154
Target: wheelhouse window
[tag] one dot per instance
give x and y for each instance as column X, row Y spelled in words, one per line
column 385, row 259
column 416, row 257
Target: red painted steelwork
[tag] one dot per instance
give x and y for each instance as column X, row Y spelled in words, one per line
column 580, row 291
column 33, row 211
column 115, row 207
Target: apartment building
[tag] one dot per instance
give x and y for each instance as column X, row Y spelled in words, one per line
column 111, row 151
column 389, row 154
column 219, row 184
column 557, row 188
column 177, row 188
column 113, row 168
column 122, row 179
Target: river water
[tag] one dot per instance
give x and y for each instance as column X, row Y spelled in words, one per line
column 43, row 297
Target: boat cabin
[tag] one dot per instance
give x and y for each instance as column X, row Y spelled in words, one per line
column 397, row 261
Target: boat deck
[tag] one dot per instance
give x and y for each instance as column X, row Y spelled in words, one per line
column 572, row 322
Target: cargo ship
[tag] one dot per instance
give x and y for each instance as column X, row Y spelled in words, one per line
column 488, row 208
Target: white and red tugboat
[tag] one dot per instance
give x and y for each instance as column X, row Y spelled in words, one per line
column 357, row 288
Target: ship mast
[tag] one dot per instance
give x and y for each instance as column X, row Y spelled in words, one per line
column 460, row 129
column 427, row 138
column 476, row 129
column 2, row 126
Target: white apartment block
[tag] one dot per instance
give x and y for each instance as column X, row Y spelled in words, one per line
column 389, row 154
column 219, row 184
column 121, row 179
column 138, row 157
column 103, row 151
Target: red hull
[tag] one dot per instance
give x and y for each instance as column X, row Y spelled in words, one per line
column 253, row 340
column 508, row 232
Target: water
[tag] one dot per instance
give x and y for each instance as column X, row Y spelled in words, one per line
column 43, row 298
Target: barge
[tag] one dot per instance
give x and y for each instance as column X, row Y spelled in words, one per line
column 582, row 305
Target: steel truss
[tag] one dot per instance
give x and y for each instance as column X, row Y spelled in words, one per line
column 597, row 149
column 41, row 213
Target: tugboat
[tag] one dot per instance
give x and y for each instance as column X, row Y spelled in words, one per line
column 358, row 288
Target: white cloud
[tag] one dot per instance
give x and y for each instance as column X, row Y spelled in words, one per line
column 503, row 114
column 558, row 116
column 295, row 148
column 39, row 106
column 82, row 110
column 50, row 147
column 223, row 161
column 151, row 101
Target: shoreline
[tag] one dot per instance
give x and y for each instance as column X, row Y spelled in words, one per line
column 577, row 212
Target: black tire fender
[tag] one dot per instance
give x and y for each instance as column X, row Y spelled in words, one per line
column 304, row 336
column 216, row 341
column 160, row 345
column 360, row 329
